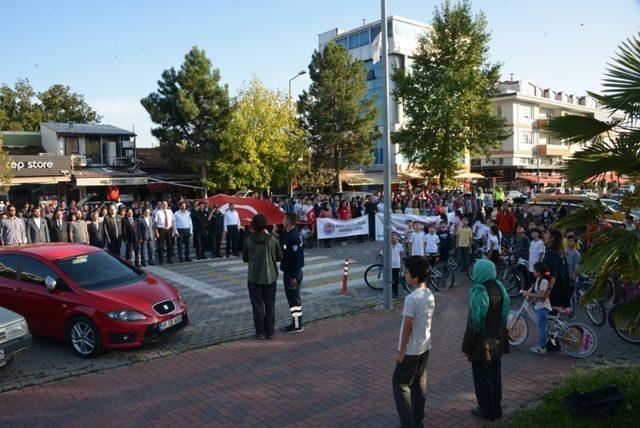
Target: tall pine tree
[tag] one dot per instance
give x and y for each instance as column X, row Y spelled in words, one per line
column 192, row 111
column 447, row 94
column 339, row 118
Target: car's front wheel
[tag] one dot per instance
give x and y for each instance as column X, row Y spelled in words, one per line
column 84, row 338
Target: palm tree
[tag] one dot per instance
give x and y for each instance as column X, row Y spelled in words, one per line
column 613, row 146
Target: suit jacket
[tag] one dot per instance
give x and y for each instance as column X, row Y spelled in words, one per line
column 35, row 233
column 147, row 233
column 58, row 234
column 131, row 230
column 96, row 234
column 113, row 226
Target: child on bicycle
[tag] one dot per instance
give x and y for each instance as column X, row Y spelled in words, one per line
column 539, row 296
column 416, row 240
column 432, row 243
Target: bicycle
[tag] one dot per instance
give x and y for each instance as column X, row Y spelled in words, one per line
column 514, row 275
column 630, row 291
column 575, row 338
column 595, row 309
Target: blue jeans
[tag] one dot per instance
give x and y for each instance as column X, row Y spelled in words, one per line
column 541, row 319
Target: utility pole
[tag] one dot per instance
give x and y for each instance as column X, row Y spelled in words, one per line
column 386, row 161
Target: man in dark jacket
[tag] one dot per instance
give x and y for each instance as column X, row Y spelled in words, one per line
column 199, row 221
column 58, row 228
column 113, row 230
column 131, row 234
column 291, row 265
column 215, row 222
column 370, row 209
column 96, row 231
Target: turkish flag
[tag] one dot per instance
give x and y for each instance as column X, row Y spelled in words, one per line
column 248, row 207
column 113, row 192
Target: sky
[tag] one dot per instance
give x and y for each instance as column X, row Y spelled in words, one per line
column 113, row 51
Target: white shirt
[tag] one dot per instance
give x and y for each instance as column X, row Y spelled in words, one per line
column 37, row 221
column 164, row 219
column 231, row 218
column 380, row 207
column 480, row 230
column 539, row 287
column 492, row 241
column 417, row 243
column 183, row 220
column 395, row 255
column 419, row 306
column 432, row 242
column 536, row 252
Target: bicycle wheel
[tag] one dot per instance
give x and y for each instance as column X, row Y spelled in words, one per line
column 437, row 278
column 596, row 312
column 453, row 262
column 518, row 329
column 578, row 340
column 470, row 270
column 373, row 277
column 622, row 332
column 513, row 282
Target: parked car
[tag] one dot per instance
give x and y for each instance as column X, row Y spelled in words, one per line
column 14, row 336
column 612, row 216
column 88, row 297
column 616, row 206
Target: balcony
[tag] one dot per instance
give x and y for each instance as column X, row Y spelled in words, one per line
column 549, row 150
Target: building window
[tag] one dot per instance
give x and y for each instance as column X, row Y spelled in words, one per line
column 527, row 111
column 71, row 146
column 526, row 137
column 374, row 32
column 344, row 42
column 359, row 39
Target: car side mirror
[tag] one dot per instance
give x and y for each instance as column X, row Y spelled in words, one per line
column 50, row 283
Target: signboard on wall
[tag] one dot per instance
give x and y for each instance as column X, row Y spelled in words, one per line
column 40, row 166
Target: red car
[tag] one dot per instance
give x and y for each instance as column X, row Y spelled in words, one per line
column 85, row 295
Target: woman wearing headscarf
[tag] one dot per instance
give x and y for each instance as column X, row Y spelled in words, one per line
column 486, row 338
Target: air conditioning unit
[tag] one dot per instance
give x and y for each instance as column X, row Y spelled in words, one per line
column 79, row 160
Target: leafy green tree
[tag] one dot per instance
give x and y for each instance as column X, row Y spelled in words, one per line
column 338, row 116
column 192, row 111
column 612, row 145
column 446, row 96
column 6, row 172
column 21, row 109
column 59, row 104
column 264, row 147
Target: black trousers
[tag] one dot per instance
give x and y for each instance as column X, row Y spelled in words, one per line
column 232, row 240
column 263, row 303
column 487, row 379
column 293, row 297
column 215, row 239
column 183, row 244
column 165, row 240
column 199, row 240
column 146, row 246
column 114, row 246
column 395, row 280
column 132, row 248
column 410, row 389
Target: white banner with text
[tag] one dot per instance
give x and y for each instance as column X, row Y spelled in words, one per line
column 399, row 223
column 331, row 228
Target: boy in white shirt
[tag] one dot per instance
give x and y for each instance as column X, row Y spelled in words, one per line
column 536, row 251
column 432, row 241
column 417, row 240
column 397, row 254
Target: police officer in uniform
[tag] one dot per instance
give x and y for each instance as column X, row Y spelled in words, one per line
column 291, row 265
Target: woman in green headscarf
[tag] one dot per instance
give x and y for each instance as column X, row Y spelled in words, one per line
column 486, row 338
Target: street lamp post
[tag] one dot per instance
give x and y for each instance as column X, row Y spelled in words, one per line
column 300, row 73
column 386, row 161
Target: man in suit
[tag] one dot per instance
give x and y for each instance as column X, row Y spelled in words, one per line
column 37, row 228
column 131, row 234
column 113, row 231
column 96, row 231
column 199, row 221
column 58, row 228
column 215, row 220
column 148, row 235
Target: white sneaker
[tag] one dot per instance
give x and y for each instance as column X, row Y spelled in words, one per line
column 537, row 350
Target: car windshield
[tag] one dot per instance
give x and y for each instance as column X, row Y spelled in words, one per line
column 98, row 271
column 613, row 205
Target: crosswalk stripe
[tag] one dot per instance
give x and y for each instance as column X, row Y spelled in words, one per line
column 337, row 286
column 337, row 272
column 239, row 263
column 189, row 282
column 308, row 266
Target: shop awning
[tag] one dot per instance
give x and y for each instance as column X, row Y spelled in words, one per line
column 16, row 181
column 544, row 178
column 367, row 179
column 110, row 177
column 468, row 176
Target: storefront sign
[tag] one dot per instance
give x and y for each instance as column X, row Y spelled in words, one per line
column 40, row 166
column 399, row 223
column 112, row 181
column 331, row 228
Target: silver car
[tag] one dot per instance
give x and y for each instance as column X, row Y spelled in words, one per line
column 14, row 335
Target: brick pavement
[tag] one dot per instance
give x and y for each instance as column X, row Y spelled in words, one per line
column 336, row 373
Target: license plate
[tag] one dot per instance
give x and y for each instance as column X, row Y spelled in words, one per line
column 170, row 322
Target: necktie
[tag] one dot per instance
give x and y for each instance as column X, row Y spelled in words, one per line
column 59, row 224
column 166, row 219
